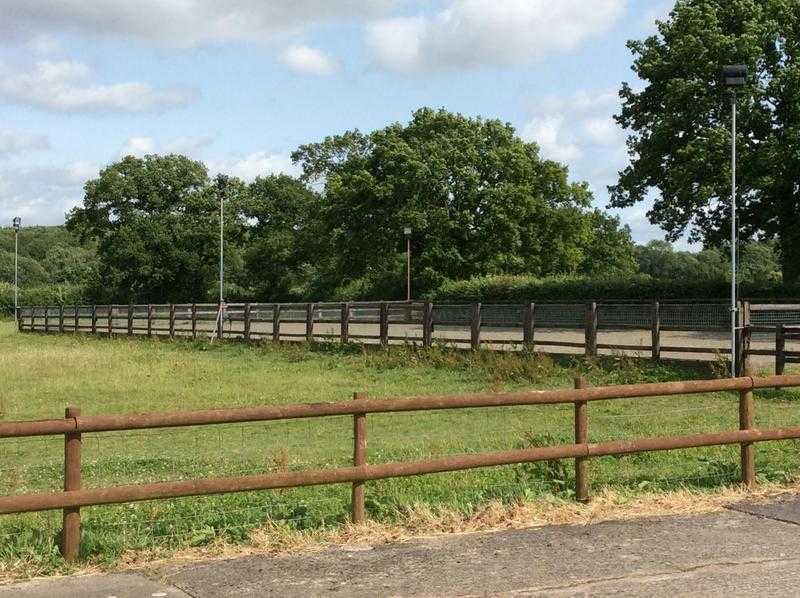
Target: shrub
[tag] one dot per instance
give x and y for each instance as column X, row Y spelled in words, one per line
column 46, row 294
column 576, row 288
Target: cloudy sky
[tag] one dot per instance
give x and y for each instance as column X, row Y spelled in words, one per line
column 240, row 83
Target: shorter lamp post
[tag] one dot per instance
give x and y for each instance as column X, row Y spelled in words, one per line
column 733, row 76
column 407, row 232
column 16, row 223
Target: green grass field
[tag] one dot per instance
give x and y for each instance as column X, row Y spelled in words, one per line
column 44, row 374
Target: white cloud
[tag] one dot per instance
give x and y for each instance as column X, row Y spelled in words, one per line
column 188, row 145
column 78, row 173
column 602, row 130
column 260, row 163
column 579, row 129
column 487, row 33
column 396, row 43
column 310, row 61
column 44, row 44
column 42, row 195
column 17, row 142
column 546, row 131
column 66, row 86
column 182, row 23
column 138, row 146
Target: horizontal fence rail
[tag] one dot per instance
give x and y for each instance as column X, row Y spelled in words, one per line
column 74, row 425
column 536, row 326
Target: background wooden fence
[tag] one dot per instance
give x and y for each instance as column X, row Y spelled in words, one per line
column 496, row 326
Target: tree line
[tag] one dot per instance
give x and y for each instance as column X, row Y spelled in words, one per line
column 478, row 199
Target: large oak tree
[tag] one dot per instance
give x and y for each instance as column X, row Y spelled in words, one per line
column 479, row 200
column 680, row 123
column 155, row 221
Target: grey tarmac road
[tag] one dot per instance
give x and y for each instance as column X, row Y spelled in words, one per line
column 750, row 549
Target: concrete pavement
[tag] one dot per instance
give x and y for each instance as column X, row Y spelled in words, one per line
column 750, row 549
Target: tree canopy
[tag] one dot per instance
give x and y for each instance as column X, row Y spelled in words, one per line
column 478, row 199
column 680, row 123
column 156, row 226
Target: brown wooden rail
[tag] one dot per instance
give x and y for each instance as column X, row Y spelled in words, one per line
column 243, row 321
column 74, row 425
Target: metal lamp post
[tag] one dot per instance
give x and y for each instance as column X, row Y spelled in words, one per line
column 16, row 223
column 733, row 76
column 407, row 232
column 222, row 181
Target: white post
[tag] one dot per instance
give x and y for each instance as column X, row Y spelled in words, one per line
column 221, row 244
column 407, row 232
column 16, row 276
column 15, row 223
column 733, row 236
column 408, row 269
column 221, row 180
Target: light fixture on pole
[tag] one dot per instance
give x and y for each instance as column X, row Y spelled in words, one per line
column 407, row 233
column 16, row 223
column 733, row 76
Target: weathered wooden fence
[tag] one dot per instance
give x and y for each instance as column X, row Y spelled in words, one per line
column 496, row 326
column 75, row 425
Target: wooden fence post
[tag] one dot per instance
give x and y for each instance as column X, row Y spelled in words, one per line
column 581, row 437
column 110, row 321
column 247, row 322
column 384, row 324
column 590, row 342
column 528, row 325
column 77, row 321
column 61, row 319
column 71, row 522
column 746, row 407
column 475, row 327
column 344, row 323
column 743, row 352
column 149, row 320
column 310, row 309
column 194, row 320
column 130, row 319
column 655, row 338
column 276, row 322
column 427, row 325
column 172, row 320
column 47, row 318
column 780, row 350
column 359, row 460
column 94, row 319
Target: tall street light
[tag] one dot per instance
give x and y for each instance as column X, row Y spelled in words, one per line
column 222, row 181
column 733, row 76
column 16, row 223
column 407, row 233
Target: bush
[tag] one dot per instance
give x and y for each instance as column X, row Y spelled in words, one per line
column 576, row 288
column 46, row 294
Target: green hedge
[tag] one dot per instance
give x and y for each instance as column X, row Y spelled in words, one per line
column 574, row 288
column 46, row 294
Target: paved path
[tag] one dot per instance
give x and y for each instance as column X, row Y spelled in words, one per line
column 747, row 550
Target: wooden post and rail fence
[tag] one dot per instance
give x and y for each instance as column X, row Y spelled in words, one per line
column 419, row 321
column 75, row 425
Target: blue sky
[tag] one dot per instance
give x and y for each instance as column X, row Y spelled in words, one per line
column 239, row 84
